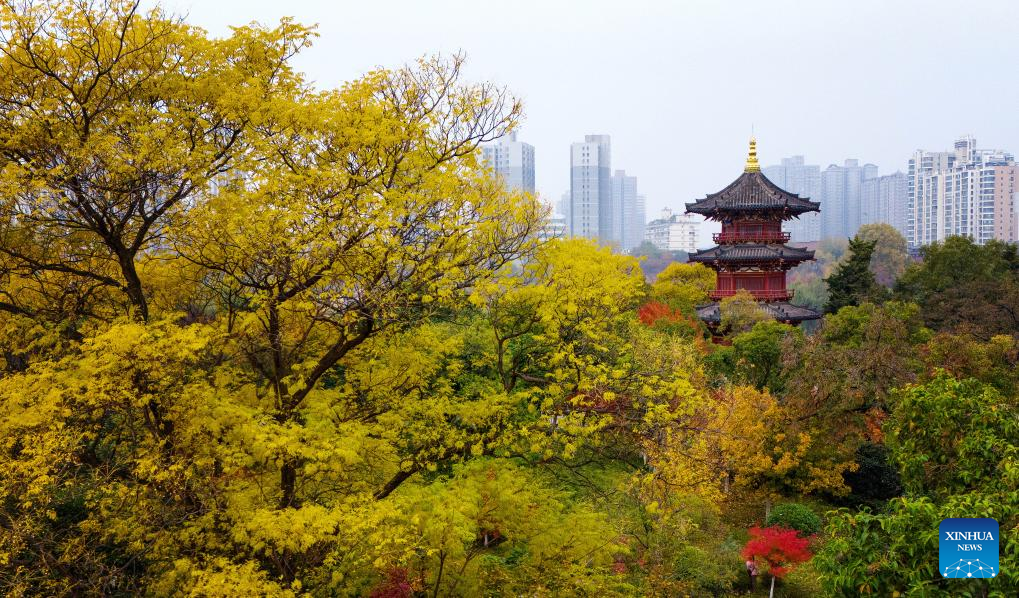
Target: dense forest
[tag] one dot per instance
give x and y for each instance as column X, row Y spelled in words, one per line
column 263, row 339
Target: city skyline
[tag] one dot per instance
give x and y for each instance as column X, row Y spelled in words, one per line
column 855, row 194
column 675, row 116
column 278, row 323
column 603, row 202
column 968, row 191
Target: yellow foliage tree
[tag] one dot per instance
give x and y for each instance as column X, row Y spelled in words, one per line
column 740, row 312
column 757, row 444
column 257, row 234
column 111, row 122
column 265, row 340
column 683, row 286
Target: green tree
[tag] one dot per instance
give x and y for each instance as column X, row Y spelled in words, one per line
column 755, row 356
column 807, row 279
column 795, row 516
column 487, row 526
column 876, row 480
column 951, row 436
column 895, row 552
column 955, row 443
column 852, row 281
column 995, row 362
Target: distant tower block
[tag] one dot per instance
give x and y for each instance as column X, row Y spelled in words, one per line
column 752, row 253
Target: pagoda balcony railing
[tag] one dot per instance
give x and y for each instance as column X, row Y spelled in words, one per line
column 770, row 295
column 735, row 237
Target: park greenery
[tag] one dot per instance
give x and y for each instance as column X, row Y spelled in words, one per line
column 262, row 339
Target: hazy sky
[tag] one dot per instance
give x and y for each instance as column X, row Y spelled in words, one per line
column 678, row 85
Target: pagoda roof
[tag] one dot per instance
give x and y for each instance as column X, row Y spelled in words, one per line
column 752, row 192
column 779, row 310
column 752, row 253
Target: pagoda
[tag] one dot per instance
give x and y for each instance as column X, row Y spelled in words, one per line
column 752, row 253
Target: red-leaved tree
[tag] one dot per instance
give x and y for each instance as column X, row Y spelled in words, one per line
column 397, row 585
column 780, row 547
column 662, row 317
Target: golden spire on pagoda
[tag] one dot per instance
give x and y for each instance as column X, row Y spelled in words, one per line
column 752, row 164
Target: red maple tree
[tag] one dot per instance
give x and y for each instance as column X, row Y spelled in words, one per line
column 652, row 311
column 659, row 315
column 780, row 547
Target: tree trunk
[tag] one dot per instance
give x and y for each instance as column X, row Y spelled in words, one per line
column 771, row 593
column 438, row 576
column 133, row 285
column 288, row 483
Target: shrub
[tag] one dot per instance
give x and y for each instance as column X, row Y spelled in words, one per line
column 794, row 516
column 711, row 573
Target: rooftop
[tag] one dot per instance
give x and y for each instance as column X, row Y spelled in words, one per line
column 781, row 311
column 752, row 192
column 752, row 252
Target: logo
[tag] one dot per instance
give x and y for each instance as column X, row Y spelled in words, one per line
column 968, row 548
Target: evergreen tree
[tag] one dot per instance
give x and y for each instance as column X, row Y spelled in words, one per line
column 852, row 282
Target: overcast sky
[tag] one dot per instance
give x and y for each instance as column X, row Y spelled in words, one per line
column 678, row 85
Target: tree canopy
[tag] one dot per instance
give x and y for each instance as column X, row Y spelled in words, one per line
column 852, row 281
column 890, row 256
column 954, row 442
column 263, row 339
column 962, row 286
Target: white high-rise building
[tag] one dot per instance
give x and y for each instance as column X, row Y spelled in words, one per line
column 563, row 206
column 591, row 212
column 638, row 223
column 968, row 191
column 628, row 217
column 841, row 187
column 804, row 180
column 513, row 160
column 673, row 232
column 554, row 227
column 624, row 190
column 885, row 199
